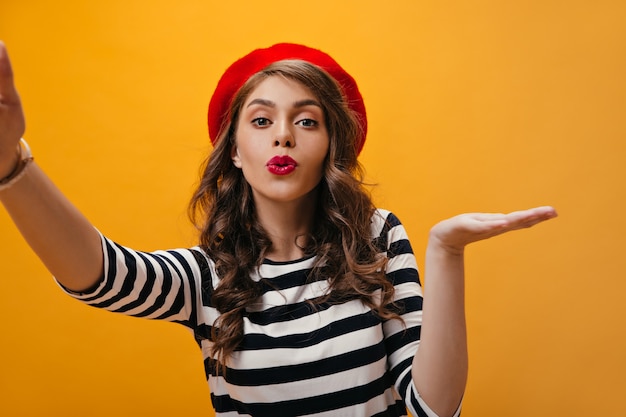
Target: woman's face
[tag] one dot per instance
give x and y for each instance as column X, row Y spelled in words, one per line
column 281, row 141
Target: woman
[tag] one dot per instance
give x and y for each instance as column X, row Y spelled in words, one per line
column 303, row 297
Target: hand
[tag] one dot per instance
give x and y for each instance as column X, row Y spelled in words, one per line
column 455, row 233
column 12, row 123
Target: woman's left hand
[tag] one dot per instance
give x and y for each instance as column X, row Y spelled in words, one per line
column 455, row 233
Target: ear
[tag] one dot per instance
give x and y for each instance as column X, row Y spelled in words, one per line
column 234, row 155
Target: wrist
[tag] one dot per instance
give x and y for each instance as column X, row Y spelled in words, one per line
column 15, row 170
column 8, row 166
column 436, row 245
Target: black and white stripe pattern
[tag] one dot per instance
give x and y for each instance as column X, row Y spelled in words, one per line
column 295, row 359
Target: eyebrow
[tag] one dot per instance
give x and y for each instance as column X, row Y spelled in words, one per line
column 297, row 104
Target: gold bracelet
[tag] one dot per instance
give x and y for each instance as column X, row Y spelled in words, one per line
column 25, row 157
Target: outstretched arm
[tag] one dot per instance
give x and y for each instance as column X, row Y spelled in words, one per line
column 440, row 365
column 58, row 233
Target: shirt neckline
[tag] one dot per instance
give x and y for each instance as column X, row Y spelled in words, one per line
column 268, row 261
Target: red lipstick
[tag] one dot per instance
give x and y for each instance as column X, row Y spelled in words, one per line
column 281, row 165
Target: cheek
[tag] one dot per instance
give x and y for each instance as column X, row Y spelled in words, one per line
column 243, row 148
column 324, row 153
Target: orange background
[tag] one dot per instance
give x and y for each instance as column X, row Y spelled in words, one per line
column 473, row 106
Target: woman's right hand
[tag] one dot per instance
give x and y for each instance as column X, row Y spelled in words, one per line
column 12, row 124
column 59, row 234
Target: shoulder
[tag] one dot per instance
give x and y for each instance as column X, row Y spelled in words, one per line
column 383, row 221
column 387, row 229
column 206, row 265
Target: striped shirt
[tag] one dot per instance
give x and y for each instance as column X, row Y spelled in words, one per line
column 295, row 359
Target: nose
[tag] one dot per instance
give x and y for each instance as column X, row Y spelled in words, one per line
column 284, row 136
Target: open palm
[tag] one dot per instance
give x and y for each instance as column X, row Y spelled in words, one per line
column 455, row 233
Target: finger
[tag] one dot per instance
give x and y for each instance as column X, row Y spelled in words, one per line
column 530, row 217
column 544, row 212
column 7, row 88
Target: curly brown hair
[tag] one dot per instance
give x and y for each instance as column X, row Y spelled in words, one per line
column 223, row 209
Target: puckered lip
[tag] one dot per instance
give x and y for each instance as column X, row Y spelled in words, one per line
column 282, row 161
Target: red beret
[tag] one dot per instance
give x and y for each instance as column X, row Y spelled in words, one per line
column 241, row 70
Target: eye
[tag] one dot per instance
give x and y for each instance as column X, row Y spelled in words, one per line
column 261, row 121
column 307, row 123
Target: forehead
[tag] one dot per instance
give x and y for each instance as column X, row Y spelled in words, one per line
column 279, row 89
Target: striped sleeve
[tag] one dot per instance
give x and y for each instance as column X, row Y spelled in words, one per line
column 402, row 338
column 162, row 285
